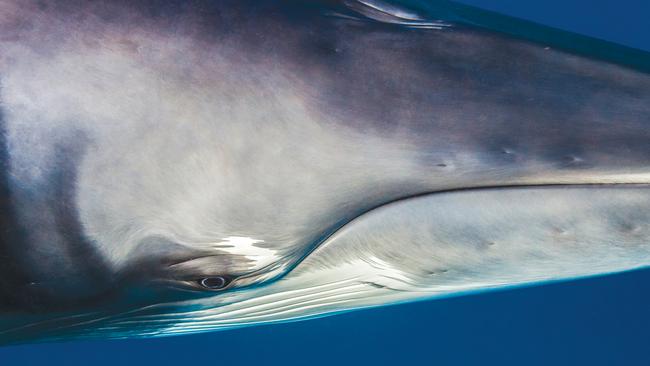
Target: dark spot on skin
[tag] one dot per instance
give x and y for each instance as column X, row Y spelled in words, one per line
column 373, row 284
column 629, row 228
column 571, row 159
column 559, row 231
column 320, row 46
column 437, row 272
column 509, row 154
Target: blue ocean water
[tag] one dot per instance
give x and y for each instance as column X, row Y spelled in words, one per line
column 597, row 321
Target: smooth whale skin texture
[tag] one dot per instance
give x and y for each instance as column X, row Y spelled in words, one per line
column 172, row 167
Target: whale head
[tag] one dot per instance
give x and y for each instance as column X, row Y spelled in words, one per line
column 205, row 165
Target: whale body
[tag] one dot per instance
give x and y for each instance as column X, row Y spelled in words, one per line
column 173, row 167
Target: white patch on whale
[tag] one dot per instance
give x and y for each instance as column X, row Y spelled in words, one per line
column 246, row 247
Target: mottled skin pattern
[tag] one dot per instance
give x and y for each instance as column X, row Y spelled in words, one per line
column 139, row 138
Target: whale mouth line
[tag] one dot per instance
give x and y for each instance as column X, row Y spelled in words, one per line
column 345, row 223
column 285, row 268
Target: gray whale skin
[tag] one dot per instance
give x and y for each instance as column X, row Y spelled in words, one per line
column 174, row 167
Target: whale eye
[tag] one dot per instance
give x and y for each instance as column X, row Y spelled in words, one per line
column 214, row 282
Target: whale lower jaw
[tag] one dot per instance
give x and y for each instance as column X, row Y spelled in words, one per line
column 419, row 248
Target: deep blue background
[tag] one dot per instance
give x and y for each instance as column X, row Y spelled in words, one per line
column 599, row 321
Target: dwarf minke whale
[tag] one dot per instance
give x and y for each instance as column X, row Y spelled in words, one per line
column 183, row 166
